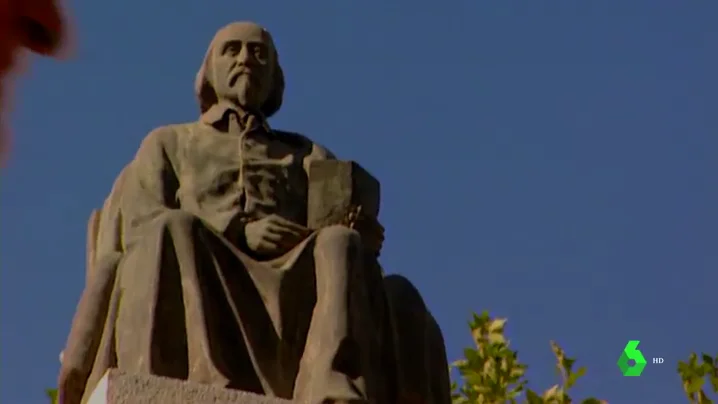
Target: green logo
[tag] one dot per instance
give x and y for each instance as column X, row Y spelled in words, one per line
column 631, row 353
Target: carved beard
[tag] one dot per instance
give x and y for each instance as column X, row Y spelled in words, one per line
column 245, row 92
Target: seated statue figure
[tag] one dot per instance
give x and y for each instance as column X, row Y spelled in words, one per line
column 207, row 271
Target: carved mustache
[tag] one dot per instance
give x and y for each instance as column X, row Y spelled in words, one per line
column 242, row 71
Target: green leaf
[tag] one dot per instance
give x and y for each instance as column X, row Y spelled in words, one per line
column 497, row 325
column 533, row 398
column 573, row 377
column 52, row 395
column 692, row 360
column 552, row 393
column 683, row 368
column 694, row 385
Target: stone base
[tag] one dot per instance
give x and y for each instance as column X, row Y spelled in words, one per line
column 118, row 387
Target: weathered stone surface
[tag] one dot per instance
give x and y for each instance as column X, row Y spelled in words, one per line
column 335, row 187
column 229, row 253
column 117, row 387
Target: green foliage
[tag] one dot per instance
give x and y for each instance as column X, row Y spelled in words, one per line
column 694, row 373
column 491, row 373
column 52, row 395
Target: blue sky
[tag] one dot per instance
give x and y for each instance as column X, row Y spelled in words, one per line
column 550, row 161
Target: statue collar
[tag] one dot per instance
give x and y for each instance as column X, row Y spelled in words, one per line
column 217, row 114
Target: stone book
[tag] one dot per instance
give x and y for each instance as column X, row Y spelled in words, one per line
column 335, row 188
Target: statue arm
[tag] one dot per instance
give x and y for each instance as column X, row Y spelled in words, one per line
column 109, row 234
column 84, row 339
column 150, row 187
column 144, row 189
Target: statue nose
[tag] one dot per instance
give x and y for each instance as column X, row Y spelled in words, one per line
column 243, row 56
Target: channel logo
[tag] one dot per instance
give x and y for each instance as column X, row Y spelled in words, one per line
column 631, row 353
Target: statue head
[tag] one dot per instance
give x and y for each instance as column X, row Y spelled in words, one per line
column 241, row 66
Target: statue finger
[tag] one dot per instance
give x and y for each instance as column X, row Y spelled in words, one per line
column 287, row 224
column 273, row 237
column 286, row 230
column 267, row 247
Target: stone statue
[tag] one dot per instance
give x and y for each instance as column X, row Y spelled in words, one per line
column 206, row 268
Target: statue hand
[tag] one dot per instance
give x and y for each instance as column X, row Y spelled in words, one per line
column 273, row 234
column 372, row 232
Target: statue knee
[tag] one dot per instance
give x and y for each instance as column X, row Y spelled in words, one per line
column 338, row 238
column 335, row 249
column 176, row 218
column 171, row 221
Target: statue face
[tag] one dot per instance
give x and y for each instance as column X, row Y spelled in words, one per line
column 243, row 64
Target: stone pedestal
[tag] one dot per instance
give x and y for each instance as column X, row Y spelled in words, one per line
column 118, row 387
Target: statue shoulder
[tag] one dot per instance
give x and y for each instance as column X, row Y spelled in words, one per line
column 315, row 151
column 320, row 152
column 164, row 141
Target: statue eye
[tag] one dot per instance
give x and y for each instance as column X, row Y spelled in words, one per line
column 232, row 48
column 259, row 52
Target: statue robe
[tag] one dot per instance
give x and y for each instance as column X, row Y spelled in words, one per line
column 188, row 300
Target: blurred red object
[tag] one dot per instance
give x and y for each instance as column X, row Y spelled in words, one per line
column 36, row 25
